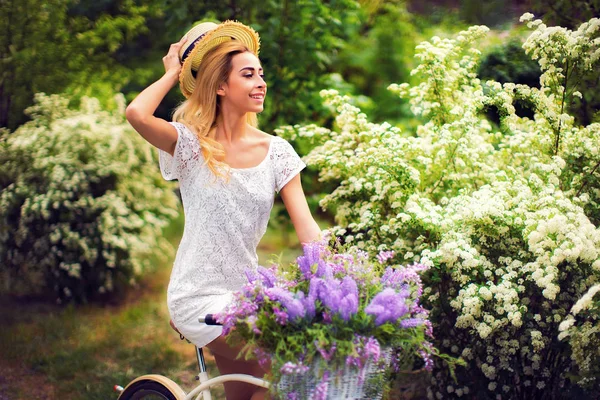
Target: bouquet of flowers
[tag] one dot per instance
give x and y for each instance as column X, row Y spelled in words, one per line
column 329, row 314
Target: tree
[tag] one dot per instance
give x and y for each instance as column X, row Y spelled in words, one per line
column 57, row 45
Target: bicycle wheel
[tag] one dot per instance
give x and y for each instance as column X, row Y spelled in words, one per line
column 151, row 388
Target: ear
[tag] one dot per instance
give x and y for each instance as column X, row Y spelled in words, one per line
column 221, row 90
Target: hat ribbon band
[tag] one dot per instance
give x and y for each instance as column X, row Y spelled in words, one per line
column 187, row 51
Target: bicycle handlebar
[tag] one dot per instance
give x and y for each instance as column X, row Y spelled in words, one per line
column 208, row 319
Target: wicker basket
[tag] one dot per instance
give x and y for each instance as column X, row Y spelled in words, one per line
column 347, row 384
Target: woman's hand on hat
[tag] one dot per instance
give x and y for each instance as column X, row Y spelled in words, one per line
column 171, row 60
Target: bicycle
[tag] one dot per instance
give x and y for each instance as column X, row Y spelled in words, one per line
column 160, row 387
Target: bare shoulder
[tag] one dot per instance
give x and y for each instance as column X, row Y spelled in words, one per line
column 261, row 138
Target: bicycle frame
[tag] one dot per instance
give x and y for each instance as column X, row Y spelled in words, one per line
column 202, row 391
column 205, row 382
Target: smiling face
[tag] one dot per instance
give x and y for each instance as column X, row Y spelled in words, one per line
column 245, row 88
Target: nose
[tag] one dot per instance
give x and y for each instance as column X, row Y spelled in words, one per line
column 261, row 82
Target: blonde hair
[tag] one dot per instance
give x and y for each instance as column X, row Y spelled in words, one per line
column 201, row 110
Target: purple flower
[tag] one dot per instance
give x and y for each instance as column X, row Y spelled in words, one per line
column 312, row 257
column 264, row 358
column 365, row 348
column 395, row 278
column 293, row 368
column 426, row 355
column 251, row 321
column 293, row 305
column 388, row 306
column 326, row 354
column 339, row 297
column 353, row 361
column 372, row 349
column 349, row 302
column 267, row 276
column 383, row 256
column 263, row 275
column 309, row 304
column 411, row 322
column 251, row 275
column 336, row 268
column 428, row 328
column 281, row 317
column 322, row 388
column 237, row 311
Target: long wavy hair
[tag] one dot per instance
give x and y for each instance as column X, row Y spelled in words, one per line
column 201, row 111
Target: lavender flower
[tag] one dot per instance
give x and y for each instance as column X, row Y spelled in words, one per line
column 251, row 321
column 326, row 354
column 267, row 276
column 251, row 275
column 395, row 277
column 388, row 306
column 411, row 322
column 339, row 297
column 309, row 304
column 312, row 257
column 238, row 311
column 294, row 306
column 353, row 361
column 281, row 317
column 328, row 293
column 336, row 268
column 264, row 358
column 372, row 349
column 365, row 348
column 322, row 388
column 349, row 301
column 426, row 355
column 293, row 368
column 383, row 256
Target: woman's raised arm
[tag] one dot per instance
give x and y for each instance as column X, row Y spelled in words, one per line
column 140, row 113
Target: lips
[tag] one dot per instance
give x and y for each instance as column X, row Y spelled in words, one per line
column 258, row 96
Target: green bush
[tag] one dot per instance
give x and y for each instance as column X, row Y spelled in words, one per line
column 507, row 217
column 82, row 202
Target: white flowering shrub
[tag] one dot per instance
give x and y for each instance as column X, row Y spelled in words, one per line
column 507, row 216
column 581, row 329
column 82, row 202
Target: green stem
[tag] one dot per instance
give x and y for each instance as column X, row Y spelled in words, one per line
column 585, row 181
column 438, row 94
column 451, row 162
column 562, row 108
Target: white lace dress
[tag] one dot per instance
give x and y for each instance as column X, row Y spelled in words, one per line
column 224, row 221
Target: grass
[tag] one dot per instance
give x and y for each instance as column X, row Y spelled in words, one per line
column 54, row 352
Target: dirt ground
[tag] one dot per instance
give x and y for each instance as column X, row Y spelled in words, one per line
column 18, row 382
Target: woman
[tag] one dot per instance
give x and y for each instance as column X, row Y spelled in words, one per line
column 228, row 171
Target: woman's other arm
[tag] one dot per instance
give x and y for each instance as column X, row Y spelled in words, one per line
column 140, row 112
column 297, row 207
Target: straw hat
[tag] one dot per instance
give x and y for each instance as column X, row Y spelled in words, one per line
column 203, row 37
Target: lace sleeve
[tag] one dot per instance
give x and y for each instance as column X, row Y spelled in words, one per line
column 287, row 163
column 187, row 153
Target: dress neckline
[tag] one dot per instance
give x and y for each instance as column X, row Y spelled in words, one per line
column 260, row 164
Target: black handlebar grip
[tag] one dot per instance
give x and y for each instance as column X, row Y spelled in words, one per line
column 209, row 319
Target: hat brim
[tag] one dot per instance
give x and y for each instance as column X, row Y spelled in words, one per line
column 224, row 32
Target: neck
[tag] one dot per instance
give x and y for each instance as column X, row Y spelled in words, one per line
column 231, row 127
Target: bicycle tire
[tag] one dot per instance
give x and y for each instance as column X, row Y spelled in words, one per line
column 147, row 389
